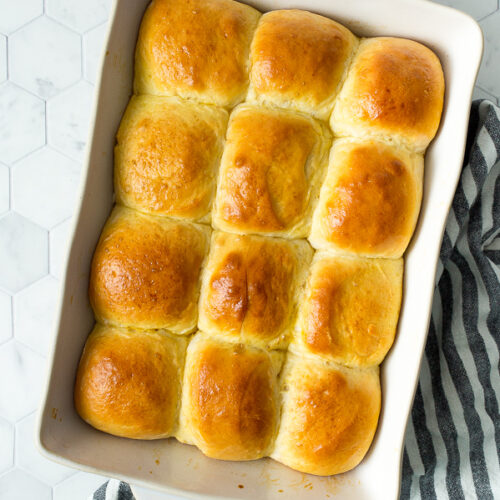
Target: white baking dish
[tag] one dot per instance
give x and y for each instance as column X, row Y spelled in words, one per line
column 181, row 469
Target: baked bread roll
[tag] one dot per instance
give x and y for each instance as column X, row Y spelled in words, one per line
column 195, row 49
column 299, row 61
column 250, row 288
column 329, row 416
column 271, row 171
column 230, row 405
column 370, row 200
column 256, row 296
column 129, row 382
column 167, row 156
column 350, row 309
column 146, row 271
column 394, row 90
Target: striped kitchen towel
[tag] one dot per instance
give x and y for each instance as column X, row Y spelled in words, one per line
column 113, row 490
column 452, row 448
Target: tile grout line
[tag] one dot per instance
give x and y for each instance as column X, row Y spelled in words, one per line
column 493, row 96
column 28, row 91
column 27, row 23
column 14, row 164
column 60, row 151
column 34, row 351
column 62, row 24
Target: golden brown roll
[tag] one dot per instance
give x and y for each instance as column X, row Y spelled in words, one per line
column 167, row 156
column 349, row 311
column 145, row 271
column 129, row 382
column 394, row 90
column 329, row 416
column 251, row 286
column 271, row 172
column 299, row 61
column 230, row 406
column 195, row 49
column 370, row 200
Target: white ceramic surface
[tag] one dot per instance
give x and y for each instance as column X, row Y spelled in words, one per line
column 173, row 467
column 24, row 118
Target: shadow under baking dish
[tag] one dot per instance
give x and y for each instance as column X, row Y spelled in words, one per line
column 180, row 469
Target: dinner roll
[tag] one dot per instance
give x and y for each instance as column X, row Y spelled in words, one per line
column 230, row 406
column 167, row 156
column 394, row 90
column 299, row 60
column 349, row 312
column 217, row 323
column 271, row 172
column 195, row 49
column 129, row 382
column 250, row 287
column 329, row 416
column 370, row 200
column 145, row 271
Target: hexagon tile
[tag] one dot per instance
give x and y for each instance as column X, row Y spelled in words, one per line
column 18, row 485
column 22, row 122
column 45, row 57
column 7, row 448
column 49, row 58
column 489, row 78
column 34, row 309
column 4, row 189
column 3, row 58
column 78, row 15
column 21, row 378
column 5, row 318
column 15, row 15
column 92, row 45
column 23, row 252
column 68, row 116
column 35, row 180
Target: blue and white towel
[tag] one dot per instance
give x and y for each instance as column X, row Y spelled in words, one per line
column 452, row 447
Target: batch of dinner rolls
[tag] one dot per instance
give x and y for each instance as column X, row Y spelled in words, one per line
column 247, row 285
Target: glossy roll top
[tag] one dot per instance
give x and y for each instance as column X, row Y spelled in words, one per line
column 328, row 418
column 299, row 61
column 271, row 172
column 251, row 286
column 394, row 90
column 129, row 382
column 146, row 271
column 230, row 405
column 370, row 200
column 349, row 311
column 195, row 49
column 167, row 156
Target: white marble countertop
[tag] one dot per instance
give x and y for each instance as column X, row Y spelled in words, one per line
column 48, row 56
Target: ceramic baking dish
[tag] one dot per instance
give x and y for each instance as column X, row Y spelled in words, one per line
column 180, row 469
